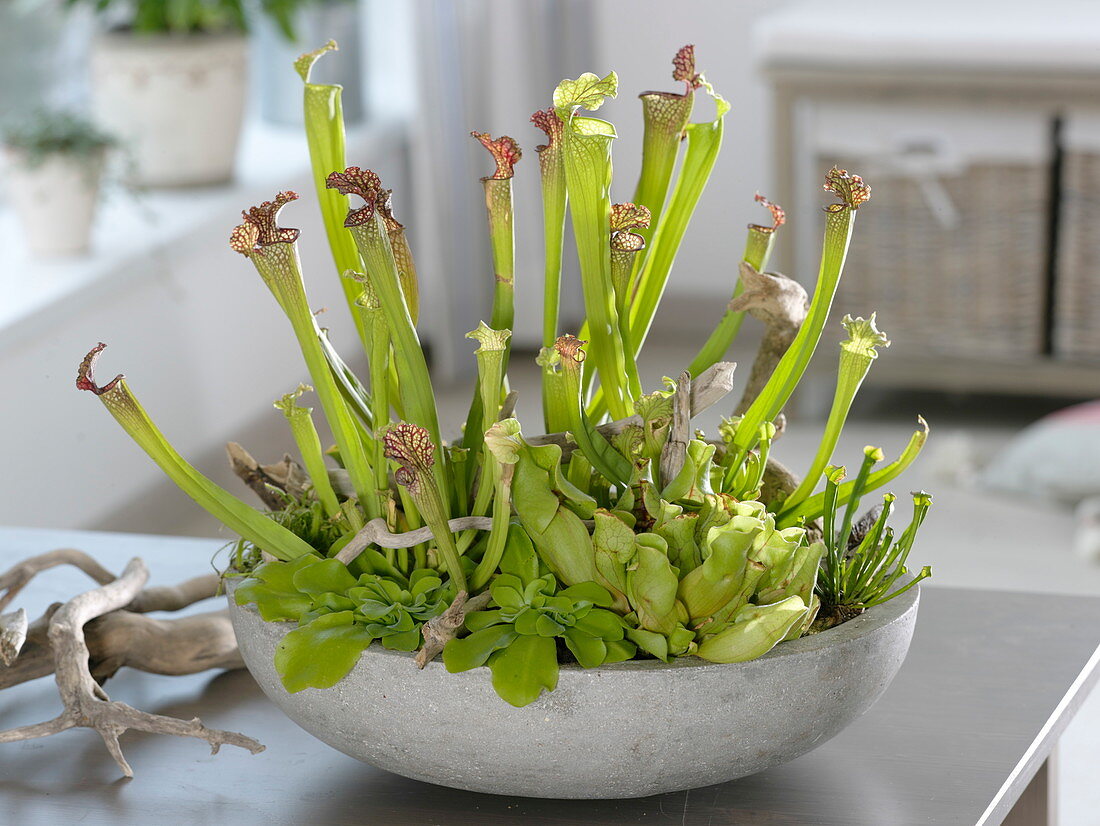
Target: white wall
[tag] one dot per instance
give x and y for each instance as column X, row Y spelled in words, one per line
column 203, row 345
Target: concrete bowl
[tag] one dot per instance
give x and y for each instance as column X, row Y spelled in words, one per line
column 625, row 730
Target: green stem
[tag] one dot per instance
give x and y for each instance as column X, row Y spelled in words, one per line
column 758, row 249
column 491, row 356
column 274, row 252
column 857, row 353
column 324, row 125
column 704, row 141
column 378, row 363
column 498, row 535
column 368, row 229
column 665, row 116
column 413, row 449
column 587, row 143
column 246, row 521
column 811, row 508
column 838, row 233
column 554, row 200
column 615, row 467
column 871, row 456
column 869, row 553
column 305, row 436
column 499, row 207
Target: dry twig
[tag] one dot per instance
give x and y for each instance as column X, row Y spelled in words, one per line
column 780, row 303
column 674, row 452
column 376, row 532
column 13, row 633
column 442, row 629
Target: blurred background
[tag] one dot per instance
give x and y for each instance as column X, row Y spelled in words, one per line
column 130, row 148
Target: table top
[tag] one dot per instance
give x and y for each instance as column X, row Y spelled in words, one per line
column 991, row 680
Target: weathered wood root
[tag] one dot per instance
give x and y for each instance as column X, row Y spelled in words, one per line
column 13, row 633
column 85, row 702
column 125, row 637
column 15, row 579
column 781, row 304
column 442, row 629
column 376, row 532
column 674, row 452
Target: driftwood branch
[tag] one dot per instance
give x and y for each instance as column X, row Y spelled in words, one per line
column 252, row 474
column 674, row 452
column 85, row 702
column 376, row 532
column 509, row 406
column 125, row 637
column 13, row 633
column 442, row 629
column 15, row 579
column 781, row 304
column 176, row 597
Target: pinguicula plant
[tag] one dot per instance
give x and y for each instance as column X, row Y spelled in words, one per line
column 621, row 531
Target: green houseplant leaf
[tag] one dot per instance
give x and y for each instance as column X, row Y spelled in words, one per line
column 322, row 653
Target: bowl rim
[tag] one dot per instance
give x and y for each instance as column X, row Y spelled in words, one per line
column 870, row 621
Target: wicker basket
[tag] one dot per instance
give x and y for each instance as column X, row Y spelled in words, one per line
column 951, row 252
column 1077, row 285
column 976, row 288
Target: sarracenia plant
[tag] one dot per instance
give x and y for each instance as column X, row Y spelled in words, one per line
column 621, row 532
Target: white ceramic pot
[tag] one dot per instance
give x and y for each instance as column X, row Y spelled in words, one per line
column 55, row 200
column 175, row 102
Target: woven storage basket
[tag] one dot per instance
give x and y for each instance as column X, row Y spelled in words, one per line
column 951, row 250
column 1077, row 284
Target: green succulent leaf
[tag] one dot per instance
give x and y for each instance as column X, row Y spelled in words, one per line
column 271, row 588
column 322, row 653
column 649, row 641
column 606, row 625
column 473, row 651
column 588, row 592
column 589, row 650
column 323, row 576
column 619, row 651
column 402, row 641
column 519, row 558
column 523, row 669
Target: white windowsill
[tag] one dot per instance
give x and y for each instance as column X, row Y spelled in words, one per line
column 131, row 228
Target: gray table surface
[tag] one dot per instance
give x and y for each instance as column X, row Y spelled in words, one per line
column 991, row 680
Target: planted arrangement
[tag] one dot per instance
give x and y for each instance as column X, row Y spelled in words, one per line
column 56, row 162
column 612, row 530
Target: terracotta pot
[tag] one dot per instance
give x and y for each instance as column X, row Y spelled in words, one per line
column 176, row 103
column 55, row 200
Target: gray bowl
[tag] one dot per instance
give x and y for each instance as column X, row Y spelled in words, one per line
column 625, row 730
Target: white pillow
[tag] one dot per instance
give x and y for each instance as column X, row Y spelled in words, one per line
column 1057, row 457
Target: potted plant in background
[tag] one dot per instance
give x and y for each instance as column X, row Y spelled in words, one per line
column 621, row 606
column 55, row 166
column 169, row 78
